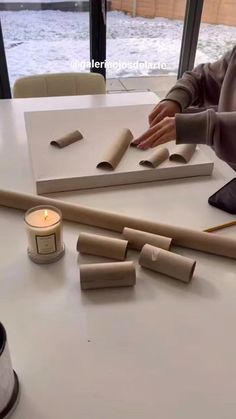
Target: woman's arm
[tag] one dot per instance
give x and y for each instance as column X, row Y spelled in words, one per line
column 201, row 87
column 216, row 129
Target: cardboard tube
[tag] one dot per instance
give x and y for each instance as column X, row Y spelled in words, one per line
column 68, row 139
column 107, row 275
column 156, row 158
column 193, row 239
column 109, row 247
column 137, row 239
column 183, row 153
column 167, row 263
column 117, row 150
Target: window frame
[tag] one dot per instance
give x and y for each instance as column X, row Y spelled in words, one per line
column 192, row 22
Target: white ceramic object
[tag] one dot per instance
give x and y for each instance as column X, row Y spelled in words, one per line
column 9, row 384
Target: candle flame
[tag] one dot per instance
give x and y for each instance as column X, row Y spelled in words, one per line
column 45, row 215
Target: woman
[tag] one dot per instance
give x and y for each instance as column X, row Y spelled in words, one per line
column 211, row 89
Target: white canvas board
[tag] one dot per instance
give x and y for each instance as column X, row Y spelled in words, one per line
column 74, row 167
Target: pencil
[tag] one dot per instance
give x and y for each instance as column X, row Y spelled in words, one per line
column 220, row 227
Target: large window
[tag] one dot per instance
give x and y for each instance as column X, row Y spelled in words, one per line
column 45, row 41
column 144, row 38
column 217, row 31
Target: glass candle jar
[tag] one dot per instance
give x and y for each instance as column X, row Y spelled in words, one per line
column 44, row 231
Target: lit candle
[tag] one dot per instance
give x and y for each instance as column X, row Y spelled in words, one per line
column 44, row 231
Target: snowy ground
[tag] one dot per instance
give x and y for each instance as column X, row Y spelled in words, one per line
column 55, row 41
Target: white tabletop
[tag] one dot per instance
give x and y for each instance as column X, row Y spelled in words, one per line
column 163, row 349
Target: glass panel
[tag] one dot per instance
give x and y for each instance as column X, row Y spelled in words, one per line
column 45, row 41
column 217, row 31
column 144, row 39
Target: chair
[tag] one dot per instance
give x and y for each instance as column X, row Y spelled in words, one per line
column 59, row 84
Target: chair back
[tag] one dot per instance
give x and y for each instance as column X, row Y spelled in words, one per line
column 59, row 84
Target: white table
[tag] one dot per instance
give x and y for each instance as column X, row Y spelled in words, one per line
column 161, row 350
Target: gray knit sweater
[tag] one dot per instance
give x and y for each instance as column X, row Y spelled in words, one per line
column 211, row 89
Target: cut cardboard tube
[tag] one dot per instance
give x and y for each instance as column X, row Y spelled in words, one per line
column 183, row 153
column 137, row 239
column 109, row 247
column 167, row 263
column 156, row 158
column 67, row 139
column 193, row 239
column 107, row 275
column 117, row 150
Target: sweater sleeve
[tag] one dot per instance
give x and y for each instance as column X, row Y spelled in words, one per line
column 201, row 87
column 216, row 129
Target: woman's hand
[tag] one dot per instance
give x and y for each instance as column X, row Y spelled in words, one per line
column 162, row 125
column 158, row 134
column 163, row 109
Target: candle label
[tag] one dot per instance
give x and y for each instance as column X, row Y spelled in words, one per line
column 46, row 244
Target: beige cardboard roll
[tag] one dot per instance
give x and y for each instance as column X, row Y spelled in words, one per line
column 183, row 153
column 67, row 139
column 156, row 158
column 93, row 244
column 137, row 239
column 193, row 239
column 117, row 151
column 107, row 275
column 167, row 263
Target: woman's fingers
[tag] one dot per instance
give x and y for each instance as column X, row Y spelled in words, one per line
column 162, row 132
column 154, row 114
column 162, row 140
column 145, row 136
column 147, row 143
column 164, row 108
column 169, row 135
column 158, row 118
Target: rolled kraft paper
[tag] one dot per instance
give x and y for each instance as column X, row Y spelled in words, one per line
column 117, row 150
column 68, row 139
column 156, row 158
column 107, row 275
column 183, row 153
column 137, row 239
column 109, row 247
column 193, row 239
column 167, row 263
